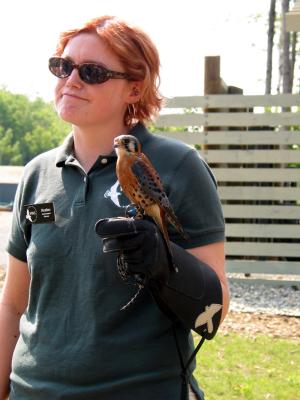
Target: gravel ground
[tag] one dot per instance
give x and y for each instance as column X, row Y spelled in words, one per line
column 265, row 299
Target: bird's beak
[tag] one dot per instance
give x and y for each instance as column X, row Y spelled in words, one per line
column 116, row 144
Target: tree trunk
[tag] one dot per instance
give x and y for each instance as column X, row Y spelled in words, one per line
column 286, row 65
column 293, row 59
column 272, row 16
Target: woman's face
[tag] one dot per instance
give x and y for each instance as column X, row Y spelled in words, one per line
column 86, row 105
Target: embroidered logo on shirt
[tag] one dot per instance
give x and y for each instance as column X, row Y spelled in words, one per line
column 39, row 213
column 116, row 195
column 113, row 193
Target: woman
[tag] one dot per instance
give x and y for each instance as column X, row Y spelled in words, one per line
column 63, row 335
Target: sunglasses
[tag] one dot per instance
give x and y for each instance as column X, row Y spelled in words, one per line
column 90, row 73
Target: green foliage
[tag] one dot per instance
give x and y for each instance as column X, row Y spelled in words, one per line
column 27, row 128
column 236, row 367
column 155, row 129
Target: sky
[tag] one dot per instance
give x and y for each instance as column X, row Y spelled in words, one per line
column 184, row 32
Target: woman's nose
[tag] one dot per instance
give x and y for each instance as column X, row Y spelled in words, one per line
column 74, row 79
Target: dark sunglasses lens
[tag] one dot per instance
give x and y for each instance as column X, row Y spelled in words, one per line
column 60, row 67
column 91, row 73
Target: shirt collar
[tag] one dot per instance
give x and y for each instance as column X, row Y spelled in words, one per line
column 66, row 150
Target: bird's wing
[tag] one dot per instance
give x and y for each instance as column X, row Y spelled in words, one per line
column 149, row 180
column 152, row 186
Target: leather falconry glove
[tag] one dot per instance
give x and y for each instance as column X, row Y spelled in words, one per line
column 192, row 295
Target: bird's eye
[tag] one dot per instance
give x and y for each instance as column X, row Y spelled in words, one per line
column 128, row 145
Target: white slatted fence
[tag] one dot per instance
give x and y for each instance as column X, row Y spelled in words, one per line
column 252, row 143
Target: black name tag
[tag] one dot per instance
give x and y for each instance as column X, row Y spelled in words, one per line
column 39, row 213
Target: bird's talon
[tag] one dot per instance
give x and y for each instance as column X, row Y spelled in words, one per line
column 139, row 216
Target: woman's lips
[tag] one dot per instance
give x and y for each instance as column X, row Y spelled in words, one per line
column 74, row 96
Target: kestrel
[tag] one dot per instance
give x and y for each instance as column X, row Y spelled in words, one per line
column 142, row 185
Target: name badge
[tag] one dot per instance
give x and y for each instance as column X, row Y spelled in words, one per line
column 39, row 213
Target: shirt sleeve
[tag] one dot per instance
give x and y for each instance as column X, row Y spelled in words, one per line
column 194, row 197
column 17, row 240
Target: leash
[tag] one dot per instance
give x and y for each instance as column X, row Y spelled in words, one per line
column 184, row 374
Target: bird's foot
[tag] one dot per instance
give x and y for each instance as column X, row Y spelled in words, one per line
column 133, row 211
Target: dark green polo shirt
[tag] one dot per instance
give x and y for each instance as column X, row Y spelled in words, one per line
column 75, row 343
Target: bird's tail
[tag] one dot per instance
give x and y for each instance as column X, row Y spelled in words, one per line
column 164, row 231
column 171, row 217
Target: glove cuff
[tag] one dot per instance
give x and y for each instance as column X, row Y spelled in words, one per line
column 193, row 294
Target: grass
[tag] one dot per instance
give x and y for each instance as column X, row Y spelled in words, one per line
column 235, row 367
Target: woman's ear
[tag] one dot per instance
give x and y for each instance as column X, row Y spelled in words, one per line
column 134, row 93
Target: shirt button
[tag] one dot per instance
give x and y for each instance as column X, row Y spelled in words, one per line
column 104, row 161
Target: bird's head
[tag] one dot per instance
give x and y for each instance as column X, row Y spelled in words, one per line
column 127, row 144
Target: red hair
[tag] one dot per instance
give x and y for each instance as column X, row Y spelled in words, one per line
column 137, row 54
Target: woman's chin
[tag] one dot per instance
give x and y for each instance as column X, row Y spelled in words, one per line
column 67, row 114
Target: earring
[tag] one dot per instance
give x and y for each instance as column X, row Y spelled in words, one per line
column 131, row 114
column 131, row 111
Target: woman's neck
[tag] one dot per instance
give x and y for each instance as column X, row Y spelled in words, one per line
column 89, row 144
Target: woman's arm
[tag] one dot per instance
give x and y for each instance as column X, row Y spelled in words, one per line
column 13, row 302
column 214, row 256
